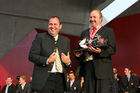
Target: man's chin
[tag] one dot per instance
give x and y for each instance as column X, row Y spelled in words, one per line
column 51, row 33
column 93, row 24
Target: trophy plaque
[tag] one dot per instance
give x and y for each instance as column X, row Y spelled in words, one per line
column 85, row 43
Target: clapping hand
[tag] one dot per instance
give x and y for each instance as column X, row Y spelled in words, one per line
column 52, row 58
column 65, row 58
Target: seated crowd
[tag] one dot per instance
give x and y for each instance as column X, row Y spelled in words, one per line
column 129, row 83
column 21, row 87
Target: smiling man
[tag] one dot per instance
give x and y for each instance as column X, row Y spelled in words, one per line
column 50, row 55
column 9, row 87
column 96, row 64
column 129, row 83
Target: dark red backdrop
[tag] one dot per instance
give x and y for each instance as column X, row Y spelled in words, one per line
column 127, row 33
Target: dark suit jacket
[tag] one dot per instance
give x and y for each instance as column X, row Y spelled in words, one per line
column 75, row 88
column 114, row 86
column 102, row 61
column 130, row 86
column 27, row 89
column 42, row 47
column 11, row 89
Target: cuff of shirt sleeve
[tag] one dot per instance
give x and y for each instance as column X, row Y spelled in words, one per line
column 47, row 62
column 69, row 64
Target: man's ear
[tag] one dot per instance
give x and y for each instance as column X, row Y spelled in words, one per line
column 60, row 26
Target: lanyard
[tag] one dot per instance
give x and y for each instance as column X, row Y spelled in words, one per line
column 92, row 34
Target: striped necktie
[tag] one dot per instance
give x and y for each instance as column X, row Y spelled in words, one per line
column 58, row 61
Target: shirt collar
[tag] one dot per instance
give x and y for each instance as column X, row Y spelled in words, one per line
column 128, row 76
column 56, row 38
column 99, row 26
column 9, row 84
column 23, row 84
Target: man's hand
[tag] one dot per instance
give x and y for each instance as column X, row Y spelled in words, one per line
column 126, row 92
column 95, row 50
column 78, row 54
column 65, row 58
column 52, row 57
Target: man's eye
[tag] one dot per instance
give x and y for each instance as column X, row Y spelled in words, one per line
column 50, row 24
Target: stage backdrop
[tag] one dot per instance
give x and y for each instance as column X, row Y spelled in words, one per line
column 127, row 33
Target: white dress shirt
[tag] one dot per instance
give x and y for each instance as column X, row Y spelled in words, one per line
column 54, row 69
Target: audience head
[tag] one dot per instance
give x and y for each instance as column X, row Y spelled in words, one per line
column 9, row 80
column 115, row 71
column 22, row 79
column 30, row 78
column 128, row 71
column 18, row 78
column 82, row 78
column 71, row 75
column 67, row 76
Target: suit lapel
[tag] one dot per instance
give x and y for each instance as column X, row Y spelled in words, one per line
column 25, row 87
column 99, row 32
column 69, row 83
column 88, row 34
column 74, row 83
column 59, row 44
column 20, row 88
column 126, row 80
column 49, row 43
column 131, row 79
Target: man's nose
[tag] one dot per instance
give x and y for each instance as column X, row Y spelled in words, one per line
column 92, row 18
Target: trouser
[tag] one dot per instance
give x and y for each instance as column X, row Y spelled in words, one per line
column 94, row 85
column 54, row 84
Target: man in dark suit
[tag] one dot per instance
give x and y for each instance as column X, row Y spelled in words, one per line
column 98, row 65
column 9, row 87
column 50, row 55
column 117, row 77
column 116, row 81
column 129, row 83
column 73, row 83
column 23, row 86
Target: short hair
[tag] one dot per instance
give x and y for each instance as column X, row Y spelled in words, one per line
column 9, row 77
column 17, row 77
column 23, row 77
column 71, row 72
column 130, row 69
column 57, row 18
